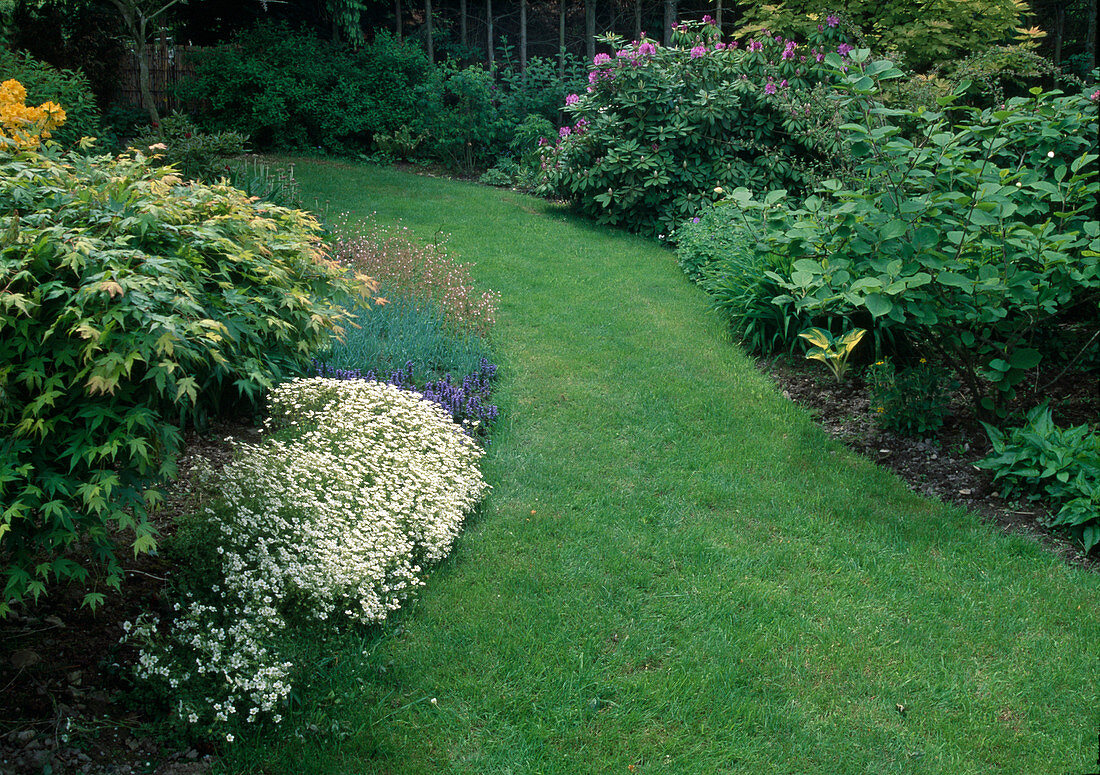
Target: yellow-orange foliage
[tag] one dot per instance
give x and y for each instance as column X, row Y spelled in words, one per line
column 22, row 124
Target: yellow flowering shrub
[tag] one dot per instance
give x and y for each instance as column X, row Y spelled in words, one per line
column 22, row 124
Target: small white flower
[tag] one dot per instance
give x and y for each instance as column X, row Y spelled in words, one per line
column 1050, row 154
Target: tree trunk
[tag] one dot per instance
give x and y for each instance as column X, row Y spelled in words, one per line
column 670, row 19
column 523, row 36
column 489, row 20
column 1090, row 39
column 1059, row 32
column 718, row 16
column 462, row 35
column 428, row 30
column 561, row 38
column 637, row 19
column 398, row 21
column 590, row 27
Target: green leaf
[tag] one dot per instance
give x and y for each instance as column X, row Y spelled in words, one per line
column 877, row 304
column 1025, row 358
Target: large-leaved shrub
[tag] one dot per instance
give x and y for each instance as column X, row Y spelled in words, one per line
column 293, row 91
column 129, row 303
column 970, row 241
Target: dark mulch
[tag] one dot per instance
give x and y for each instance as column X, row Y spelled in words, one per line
column 65, row 702
column 941, row 466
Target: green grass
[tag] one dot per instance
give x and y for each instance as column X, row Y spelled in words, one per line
column 676, row 569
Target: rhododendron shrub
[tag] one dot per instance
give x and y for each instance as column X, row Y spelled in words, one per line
column 327, row 525
column 661, row 131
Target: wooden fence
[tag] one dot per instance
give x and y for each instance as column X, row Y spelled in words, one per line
column 168, row 64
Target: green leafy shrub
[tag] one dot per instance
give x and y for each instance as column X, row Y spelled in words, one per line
column 662, row 131
column 538, row 90
column 519, row 166
column 465, row 128
column 967, row 241
column 129, row 304
column 65, row 87
column 293, row 91
column 324, row 527
column 1042, row 460
column 717, row 249
column 196, row 154
column 913, row 401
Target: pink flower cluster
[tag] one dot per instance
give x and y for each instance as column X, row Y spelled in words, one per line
column 401, row 266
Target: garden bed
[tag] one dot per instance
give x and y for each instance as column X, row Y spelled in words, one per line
column 65, row 677
column 941, row 466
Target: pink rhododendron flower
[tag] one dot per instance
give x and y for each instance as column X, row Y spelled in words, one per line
column 832, row 20
column 564, row 132
column 647, row 49
column 843, row 49
column 755, row 45
column 698, row 51
column 572, row 99
column 601, row 59
column 769, row 88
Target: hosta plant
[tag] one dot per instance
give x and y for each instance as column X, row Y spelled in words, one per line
column 1041, row 459
column 833, row 351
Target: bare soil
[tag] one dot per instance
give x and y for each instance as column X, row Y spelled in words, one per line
column 940, row 466
column 66, row 702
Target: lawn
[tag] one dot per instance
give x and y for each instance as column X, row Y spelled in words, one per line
column 676, row 571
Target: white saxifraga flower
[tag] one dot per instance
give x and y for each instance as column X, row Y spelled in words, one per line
column 374, row 483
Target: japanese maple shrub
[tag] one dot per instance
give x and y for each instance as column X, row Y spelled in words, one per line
column 129, row 304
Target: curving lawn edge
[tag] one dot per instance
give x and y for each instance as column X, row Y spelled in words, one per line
column 676, row 570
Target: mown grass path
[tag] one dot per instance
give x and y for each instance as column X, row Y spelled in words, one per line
column 677, row 571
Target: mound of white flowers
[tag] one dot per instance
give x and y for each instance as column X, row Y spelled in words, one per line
column 330, row 521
